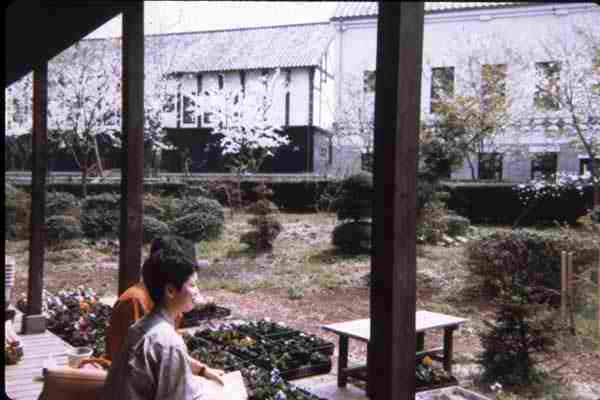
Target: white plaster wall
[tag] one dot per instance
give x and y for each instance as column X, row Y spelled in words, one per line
column 298, row 93
column 450, row 37
column 299, row 97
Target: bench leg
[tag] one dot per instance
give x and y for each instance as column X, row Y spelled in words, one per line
column 448, row 349
column 420, row 341
column 343, row 361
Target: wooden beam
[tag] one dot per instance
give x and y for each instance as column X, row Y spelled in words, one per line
column 130, row 254
column 391, row 356
column 34, row 321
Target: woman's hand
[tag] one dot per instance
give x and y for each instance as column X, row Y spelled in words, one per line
column 214, row 374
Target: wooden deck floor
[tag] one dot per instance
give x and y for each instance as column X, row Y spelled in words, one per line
column 23, row 381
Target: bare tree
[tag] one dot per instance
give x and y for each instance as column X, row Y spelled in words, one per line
column 570, row 86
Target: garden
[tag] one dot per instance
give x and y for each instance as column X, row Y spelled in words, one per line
column 278, row 273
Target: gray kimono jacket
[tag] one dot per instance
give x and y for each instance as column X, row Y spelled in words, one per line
column 153, row 364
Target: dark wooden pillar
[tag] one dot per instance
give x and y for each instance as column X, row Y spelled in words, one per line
column 393, row 264
column 34, row 321
column 132, row 165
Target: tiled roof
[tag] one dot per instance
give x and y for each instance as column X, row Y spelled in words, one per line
column 249, row 48
column 353, row 9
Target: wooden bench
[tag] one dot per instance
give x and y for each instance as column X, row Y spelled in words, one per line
column 361, row 330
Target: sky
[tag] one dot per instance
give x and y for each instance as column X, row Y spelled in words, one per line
column 182, row 16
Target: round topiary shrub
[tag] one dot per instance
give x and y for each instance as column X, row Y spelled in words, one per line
column 63, row 227
column 353, row 237
column 170, row 206
column 356, row 198
column 153, row 228
column 198, row 226
column 100, row 216
column 191, row 205
column 153, row 206
column 457, row 225
column 57, row 203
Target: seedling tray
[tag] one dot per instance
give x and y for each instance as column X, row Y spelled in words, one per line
column 309, row 370
column 194, row 317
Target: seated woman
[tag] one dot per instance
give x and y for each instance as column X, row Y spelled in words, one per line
column 153, row 362
column 135, row 302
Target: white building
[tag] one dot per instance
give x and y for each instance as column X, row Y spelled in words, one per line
column 455, row 31
column 237, row 59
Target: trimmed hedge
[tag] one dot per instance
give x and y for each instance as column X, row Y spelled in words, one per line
column 63, row 227
column 353, row 237
column 100, row 216
column 74, row 187
column 57, row 203
column 500, row 203
column 198, row 226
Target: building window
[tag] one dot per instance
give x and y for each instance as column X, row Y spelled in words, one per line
column 189, row 110
column 547, row 86
column 442, row 86
column 493, row 86
column 490, row 166
column 585, row 165
column 207, row 121
column 544, row 165
column 220, row 79
column 369, row 81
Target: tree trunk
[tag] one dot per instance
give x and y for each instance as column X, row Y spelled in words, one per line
column 471, row 167
column 98, row 158
column 84, row 169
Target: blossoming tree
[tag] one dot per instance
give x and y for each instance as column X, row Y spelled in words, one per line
column 84, row 101
column 18, row 119
column 245, row 120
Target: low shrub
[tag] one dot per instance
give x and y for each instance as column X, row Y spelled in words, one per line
column 521, row 330
column 431, row 223
column 265, row 225
column 353, row 237
column 63, row 227
column 153, row 228
column 10, row 211
column 356, row 198
column 264, row 234
column 58, row 203
column 457, row 225
column 198, row 226
column 494, row 260
column 100, row 216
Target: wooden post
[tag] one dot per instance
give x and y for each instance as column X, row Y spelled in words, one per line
column 391, row 356
column 563, row 285
column 132, row 164
column 570, row 289
column 598, row 288
column 34, row 321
